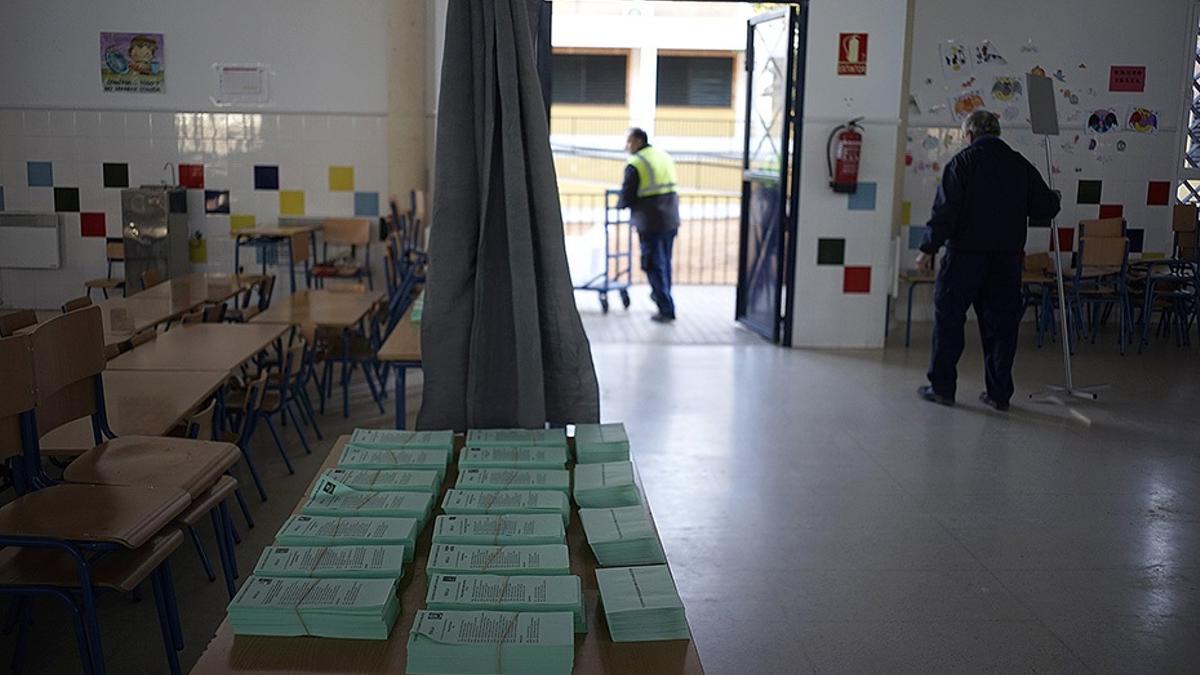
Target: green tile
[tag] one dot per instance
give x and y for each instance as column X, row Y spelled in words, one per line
column 831, row 251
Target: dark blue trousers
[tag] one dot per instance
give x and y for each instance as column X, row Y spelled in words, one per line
column 991, row 282
column 656, row 263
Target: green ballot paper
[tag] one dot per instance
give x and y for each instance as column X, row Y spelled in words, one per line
column 642, row 604
column 372, row 504
column 622, row 536
column 355, row 457
column 398, row 439
column 606, row 485
column 514, row 479
column 501, row 529
column 516, row 438
column 364, row 609
column 477, row 502
column 342, row 562
column 347, row 481
column 595, row 443
column 513, row 458
column 468, row 592
column 550, row 559
column 302, row 530
column 506, row 643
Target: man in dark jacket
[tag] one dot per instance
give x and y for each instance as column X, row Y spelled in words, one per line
column 648, row 191
column 988, row 194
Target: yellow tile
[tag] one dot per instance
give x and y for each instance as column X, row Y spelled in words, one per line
column 291, row 202
column 906, row 213
column 241, row 221
column 341, row 179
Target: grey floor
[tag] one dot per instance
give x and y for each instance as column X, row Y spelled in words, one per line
column 818, row 517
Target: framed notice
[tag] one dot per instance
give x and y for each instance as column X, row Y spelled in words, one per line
column 852, row 54
column 241, row 84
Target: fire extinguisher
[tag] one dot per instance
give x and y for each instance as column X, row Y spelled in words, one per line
column 842, row 155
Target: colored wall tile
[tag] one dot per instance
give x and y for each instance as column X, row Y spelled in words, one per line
column 39, row 174
column 916, row 235
column 91, row 224
column 856, row 279
column 905, row 213
column 1158, row 193
column 66, row 200
column 1137, row 239
column 1088, row 192
column 1066, row 239
column 291, row 202
column 341, row 179
column 116, row 175
column 197, row 251
column 191, row 176
column 1111, row 211
column 863, row 199
column 366, row 203
column 241, row 221
column 831, row 251
column 216, row 201
column 266, row 177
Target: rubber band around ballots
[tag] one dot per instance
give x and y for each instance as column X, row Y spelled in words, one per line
column 495, row 543
column 512, row 476
column 500, row 642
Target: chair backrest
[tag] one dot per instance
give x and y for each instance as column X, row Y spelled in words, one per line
column 151, row 277
column 300, row 250
column 347, row 231
column 200, row 423
column 1102, row 227
column 77, row 303
column 1038, row 262
column 1183, row 218
column 68, row 357
column 1103, row 251
column 18, row 394
column 14, row 321
column 207, row 314
column 114, row 249
column 265, row 290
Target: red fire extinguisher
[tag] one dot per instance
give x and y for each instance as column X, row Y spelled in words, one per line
column 842, row 156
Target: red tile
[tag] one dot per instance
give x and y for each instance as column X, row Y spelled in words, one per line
column 856, row 280
column 191, row 176
column 1158, row 193
column 1066, row 238
column 91, row 224
column 1111, row 211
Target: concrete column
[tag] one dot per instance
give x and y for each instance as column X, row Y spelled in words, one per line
column 407, row 81
column 643, row 87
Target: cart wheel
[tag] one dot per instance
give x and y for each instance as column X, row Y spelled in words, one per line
column 625, row 299
column 604, row 303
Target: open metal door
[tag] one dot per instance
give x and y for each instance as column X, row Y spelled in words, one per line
column 774, row 84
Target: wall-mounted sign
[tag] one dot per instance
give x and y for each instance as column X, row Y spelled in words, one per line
column 852, row 54
column 241, row 84
column 132, row 62
column 1127, row 78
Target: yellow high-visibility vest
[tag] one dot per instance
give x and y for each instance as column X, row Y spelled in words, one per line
column 656, row 172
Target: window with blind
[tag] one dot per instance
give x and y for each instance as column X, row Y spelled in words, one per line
column 589, row 78
column 705, row 81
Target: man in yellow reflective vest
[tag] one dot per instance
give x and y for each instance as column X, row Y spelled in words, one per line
column 648, row 191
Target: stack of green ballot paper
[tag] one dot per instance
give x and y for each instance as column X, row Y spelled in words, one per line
column 509, row 643
column 502, row 529
column 622, row 536
column 468, row 592
column 358, row 457
column 363, row 609
column 513, row 458
column 418, row 308
column 550, row 559
column 302, row 530
column 344, row 481
column 399, row 439
column 342, row 562
column 371, row 504
column 516, row 438
column 476, row 502
column 606, row 485
column 514, row 479
column 595, row 443
column 642, row 604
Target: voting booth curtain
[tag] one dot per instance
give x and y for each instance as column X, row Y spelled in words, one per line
column 502, row 343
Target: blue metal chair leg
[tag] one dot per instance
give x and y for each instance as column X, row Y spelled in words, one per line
column 23, row 616
column 81, row 641
column 164, row 621
column 223, row 508
column 233, row 532
column 374, row 389
column 204, row 561
column 223, row 547
column 287, row 411
column 908, row 317
column 279, row 444
column 401, row 415
column 241, row 500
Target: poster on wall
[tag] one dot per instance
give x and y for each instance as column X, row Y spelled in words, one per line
column 966, row 103
column 241, row 84
column 955, row 61
column 132, row 62
column 1102, row 121
column 1007, row 89
column 852, row 54
column 1142, row 120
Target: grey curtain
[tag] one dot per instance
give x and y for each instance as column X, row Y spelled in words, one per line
column 502, row 344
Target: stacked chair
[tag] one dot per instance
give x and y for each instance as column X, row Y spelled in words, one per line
column 1171, row 287
column 1099, row 283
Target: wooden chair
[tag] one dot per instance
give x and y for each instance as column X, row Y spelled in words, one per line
column 14, row 321
column 114, row 251
column 264, row 288
column 1171, row 287
column 1099, row 283
column 139, row 339
column 77, row 303
column 207, row 314
column 68, row 541
column 360, row 350
column 345, row 232
column 1102, row 227
column 151, row 277
column 242, row 406
column 1038, row 293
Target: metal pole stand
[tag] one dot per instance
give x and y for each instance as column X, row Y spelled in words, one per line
column 1055, row 393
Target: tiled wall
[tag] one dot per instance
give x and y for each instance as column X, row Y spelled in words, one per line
column 239, row 169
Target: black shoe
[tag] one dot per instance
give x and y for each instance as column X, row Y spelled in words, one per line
column 926, row 392
column 987, row 400
column 663, row 318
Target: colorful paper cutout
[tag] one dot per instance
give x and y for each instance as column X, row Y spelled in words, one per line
column 1142, row 120
column 986, row 54
column 1103, row 121
column 955, row 61
column 1007, row 89
column 966, row 103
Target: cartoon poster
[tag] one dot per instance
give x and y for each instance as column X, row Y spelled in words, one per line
column 955, row 61
column 1007, row 89
column 986, row 55
column 1142, row 120
column 132, row 62
column 1103, row 121
column 966, row 103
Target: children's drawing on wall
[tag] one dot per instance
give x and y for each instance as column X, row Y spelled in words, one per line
column 955, row 62
column 1007, row 89
column 132, row 62
column 1142, row 120
column 1103, row 121
column 986, row 55
column 966, row 103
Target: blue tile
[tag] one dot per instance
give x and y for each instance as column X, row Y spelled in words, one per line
column 216, row 201
column 864, row 198
column 916, row 235
column 266, row 177
column 41, row 174
column 1, row 197
column 366, row 203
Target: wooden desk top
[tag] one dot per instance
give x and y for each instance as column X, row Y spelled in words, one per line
column 403, row 343
column 197, row 289
column 595, row 652
column 276, row 232
column 139, row 403
column 123, row 317
column 219, row 347
column 327, row 309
